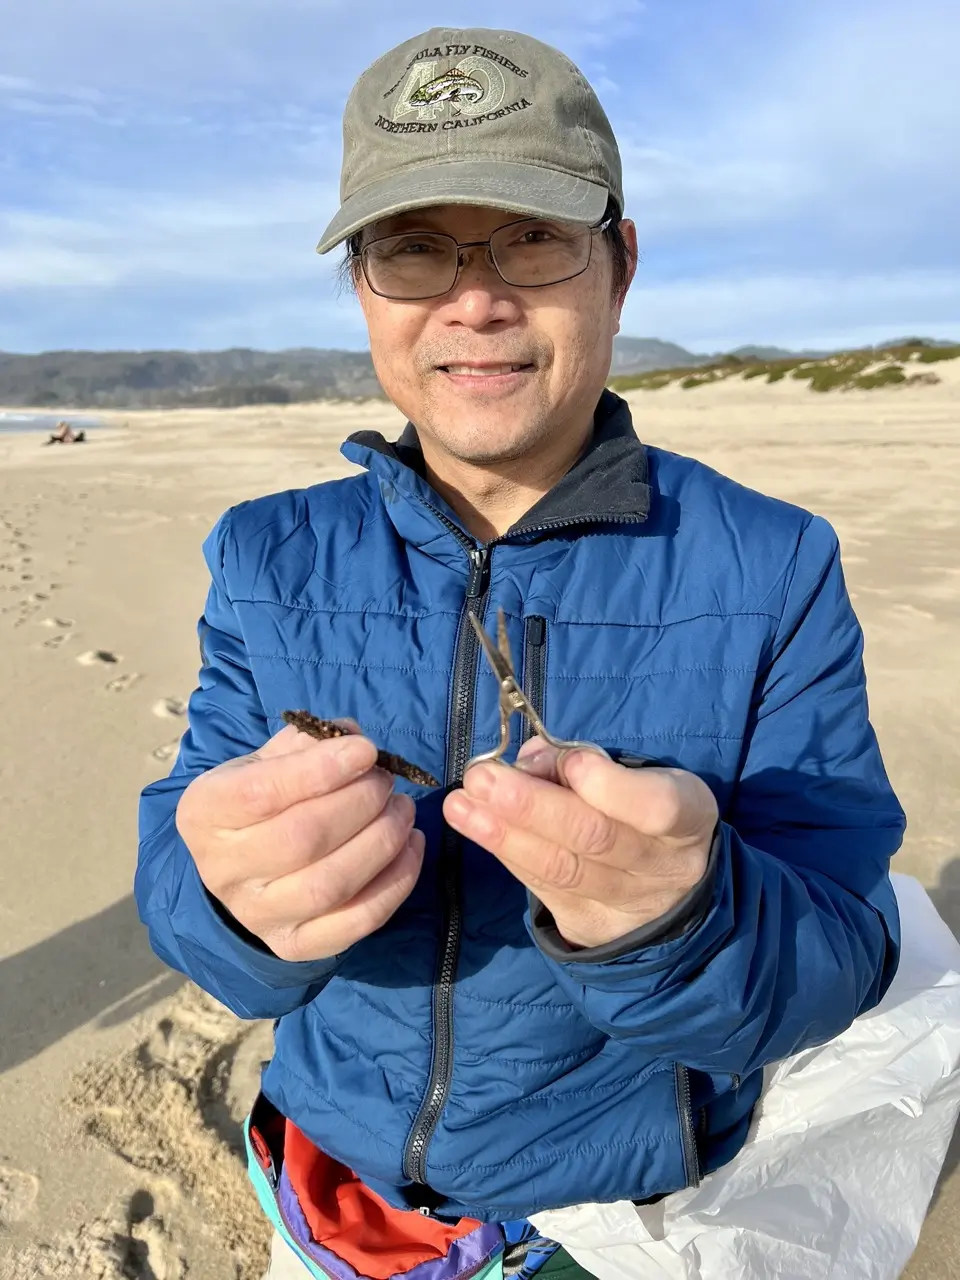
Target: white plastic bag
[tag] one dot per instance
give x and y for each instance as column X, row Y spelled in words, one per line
column 845, row 1148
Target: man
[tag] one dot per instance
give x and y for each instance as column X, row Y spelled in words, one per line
column 539, row 986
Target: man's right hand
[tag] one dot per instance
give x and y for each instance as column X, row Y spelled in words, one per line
column 303, row 842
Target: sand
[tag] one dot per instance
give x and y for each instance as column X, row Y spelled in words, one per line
column 122, row 1088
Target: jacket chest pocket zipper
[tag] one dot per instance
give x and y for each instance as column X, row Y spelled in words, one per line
column 688, row 1127
column 534, row 668
column 534, row 686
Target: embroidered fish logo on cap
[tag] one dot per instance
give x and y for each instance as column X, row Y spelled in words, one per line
column 452, row 86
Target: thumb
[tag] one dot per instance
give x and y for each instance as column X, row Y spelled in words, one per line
column 290, row 739
column 663, row 803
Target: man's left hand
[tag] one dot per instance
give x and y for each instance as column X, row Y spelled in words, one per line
column 605, row 848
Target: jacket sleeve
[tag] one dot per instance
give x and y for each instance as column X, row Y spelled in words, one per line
column 189, row 930
column 800, row 933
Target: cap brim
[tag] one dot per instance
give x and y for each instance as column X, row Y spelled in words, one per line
column 518, row 188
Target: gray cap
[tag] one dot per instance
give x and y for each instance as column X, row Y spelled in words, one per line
column 478, row 117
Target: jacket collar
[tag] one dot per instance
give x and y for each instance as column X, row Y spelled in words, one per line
column 609, row 481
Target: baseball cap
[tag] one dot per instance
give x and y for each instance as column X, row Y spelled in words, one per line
column 477, row 117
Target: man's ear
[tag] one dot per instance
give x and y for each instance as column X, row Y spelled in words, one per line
column 628, row 229
column 360, row 290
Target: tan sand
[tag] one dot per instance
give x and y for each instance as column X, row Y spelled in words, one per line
column 121, row 1087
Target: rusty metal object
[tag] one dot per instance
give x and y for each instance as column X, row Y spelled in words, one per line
column 323, row 729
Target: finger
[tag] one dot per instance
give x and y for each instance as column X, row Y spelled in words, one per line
column 539, row 759
column 541, row 766
column 330, row 881
column 243, row 792
column 543, row 865
column 536, row 746
column 332, row 932
column 309, row 830
column 659, row 803
column 552, row 812
column 289, row 739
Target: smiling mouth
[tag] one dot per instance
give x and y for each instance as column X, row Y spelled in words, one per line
column 482, row 371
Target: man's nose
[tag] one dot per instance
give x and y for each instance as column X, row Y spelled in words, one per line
column 480, row 295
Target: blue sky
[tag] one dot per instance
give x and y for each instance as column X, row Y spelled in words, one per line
column 166, row 166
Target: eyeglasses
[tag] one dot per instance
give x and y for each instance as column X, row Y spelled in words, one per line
column 526, row 254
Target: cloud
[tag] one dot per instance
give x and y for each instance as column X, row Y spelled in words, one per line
column 693, row 187
column 776, row 158
column 164, row 49
column 181, row 314
column 821, row 310
column 252, row 233
column 847, row 122
column 706, row 313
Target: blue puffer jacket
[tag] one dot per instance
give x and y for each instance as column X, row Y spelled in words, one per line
column 462, row 1057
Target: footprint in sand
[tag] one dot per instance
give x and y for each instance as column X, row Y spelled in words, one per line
column 911, row 611
column 169, row 708
column 29, row 606
column 133, row 1244
column 18, row 1195
column 56, row 641
column 149, row 1251
column 120, row 684
column 62, row 624
column 93, row 657
column 167, row 751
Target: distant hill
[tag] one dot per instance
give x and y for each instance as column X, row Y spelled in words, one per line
column 773, row 353
column 646, row 355
column 172, row 379
column 637, row 355
column 65, row 380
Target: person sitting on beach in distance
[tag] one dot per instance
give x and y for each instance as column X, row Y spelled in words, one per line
column 65, row 434
column 557, row 984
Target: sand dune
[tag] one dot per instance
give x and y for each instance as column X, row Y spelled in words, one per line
column 121, row 1087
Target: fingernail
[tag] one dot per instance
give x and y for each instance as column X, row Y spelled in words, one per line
column 571, row 764
column 352, row 754
column 348, row 723
column 476, row 820
column 481, row 780
column 402, row 806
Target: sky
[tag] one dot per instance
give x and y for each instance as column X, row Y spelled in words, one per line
column 167, row 166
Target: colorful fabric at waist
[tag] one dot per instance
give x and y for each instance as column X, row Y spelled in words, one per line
column 329, row 1204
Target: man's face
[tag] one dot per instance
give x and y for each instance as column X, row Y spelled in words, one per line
column 561, row 335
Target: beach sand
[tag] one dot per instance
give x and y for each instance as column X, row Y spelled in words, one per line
column 122, row 1088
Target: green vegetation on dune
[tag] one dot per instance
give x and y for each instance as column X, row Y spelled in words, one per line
column 862, row 369
column 931, row 354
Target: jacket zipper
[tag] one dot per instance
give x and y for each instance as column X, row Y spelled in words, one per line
column 688, row 1138
column 459, row 741
column 534, row 667
column 458, row 749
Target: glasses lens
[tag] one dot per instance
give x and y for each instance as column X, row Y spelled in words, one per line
column 536, row 251
column 414, row 265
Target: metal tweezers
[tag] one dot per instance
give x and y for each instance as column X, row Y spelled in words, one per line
column 512, row 697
